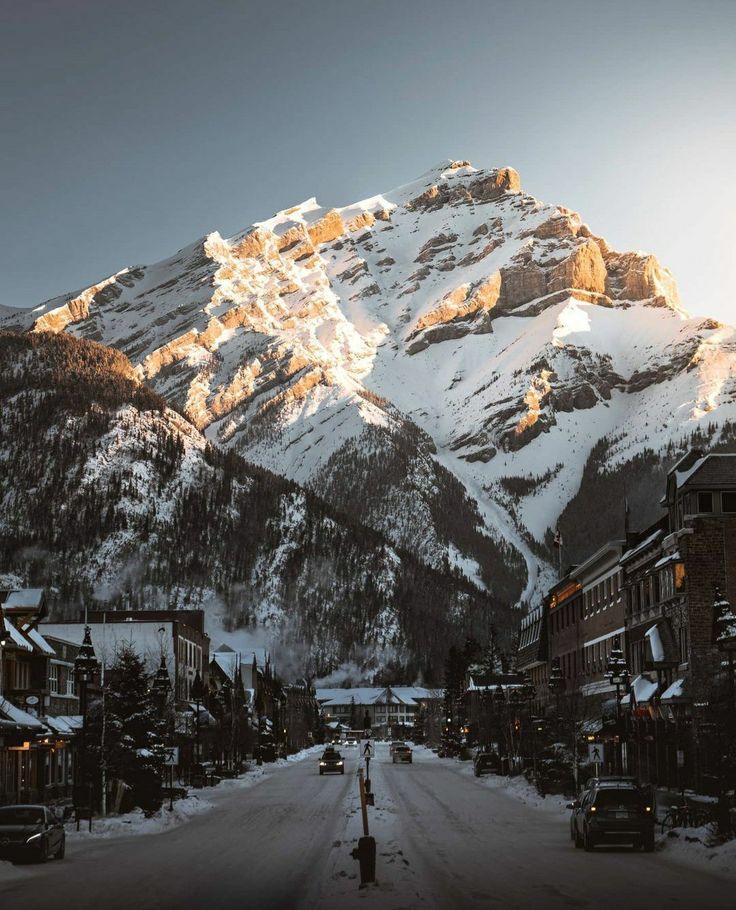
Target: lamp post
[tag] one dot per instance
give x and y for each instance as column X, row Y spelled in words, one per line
column 499, row 703
column 197, row 693
column 617, row 673
column 529, row 693
column 161, row 687
column 3, row 642
column 85, row 666
column 517, row 698
column 557, row 683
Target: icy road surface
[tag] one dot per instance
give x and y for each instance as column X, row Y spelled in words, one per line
column 445, row 840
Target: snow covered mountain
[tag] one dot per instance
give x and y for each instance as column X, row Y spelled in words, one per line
column 448, row 360
column 107, row 494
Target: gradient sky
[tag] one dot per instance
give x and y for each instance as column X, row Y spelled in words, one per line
column 132, row 128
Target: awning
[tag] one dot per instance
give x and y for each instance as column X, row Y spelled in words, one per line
column 21, row 719
column 643, row 690
column 589, row 727
column 63, row 724
column 675, row 692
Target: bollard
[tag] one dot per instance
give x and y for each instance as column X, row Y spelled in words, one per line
column 367, row 859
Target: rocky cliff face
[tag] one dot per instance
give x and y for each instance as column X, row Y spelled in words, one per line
column 455, row 326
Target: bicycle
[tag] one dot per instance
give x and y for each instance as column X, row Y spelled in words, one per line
column 685, row 816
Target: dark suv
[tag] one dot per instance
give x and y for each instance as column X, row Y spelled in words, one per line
column 613, row 812
column 486, row 763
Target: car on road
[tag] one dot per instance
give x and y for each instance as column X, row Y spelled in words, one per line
column 613, row 812
column 331, row 762
column 351, row 742
column 486, row 762
column 33, row 832
column 400, row 752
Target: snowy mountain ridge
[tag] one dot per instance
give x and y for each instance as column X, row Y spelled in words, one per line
column 455, row 328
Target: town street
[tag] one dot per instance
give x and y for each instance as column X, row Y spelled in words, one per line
column 445, row 840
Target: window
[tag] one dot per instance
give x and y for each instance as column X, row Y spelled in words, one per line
column 684, row 643
column 54, row 679
column 680, row 576
column 705, row 502
column 728, row 502
column 69, row 682
column 22, row 676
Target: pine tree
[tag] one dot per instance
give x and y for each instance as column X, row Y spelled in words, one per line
column 134, row 732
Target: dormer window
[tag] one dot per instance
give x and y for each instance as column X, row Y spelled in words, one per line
column 728, row 501
column 705, row 502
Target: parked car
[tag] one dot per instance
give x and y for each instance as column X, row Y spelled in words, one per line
column 486, row 762
column 34, row 832
column 613, row 812
column 331, row 761
column 400, row 752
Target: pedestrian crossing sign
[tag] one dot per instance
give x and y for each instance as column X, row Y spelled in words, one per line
column 595, row 753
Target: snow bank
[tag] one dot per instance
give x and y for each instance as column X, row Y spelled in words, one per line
column 136, row 822
column 698, row 847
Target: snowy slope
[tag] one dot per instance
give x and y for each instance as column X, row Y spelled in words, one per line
column 108, row 495
column 458, row 315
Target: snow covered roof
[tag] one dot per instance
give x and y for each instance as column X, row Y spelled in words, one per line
column 24, row 599
column 410, row 695
column 371, row 695
column 665, row 560
column 16, row 636
column 35, row 636
column 63, row 724
column 21, row 718
column 363, row 695
column 647, row 542
column 675, row 691
column 643, row 689
column 655, row 644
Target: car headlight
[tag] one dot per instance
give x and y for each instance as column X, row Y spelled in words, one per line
column 322, row 764
column 34, row 837
column 339, row 763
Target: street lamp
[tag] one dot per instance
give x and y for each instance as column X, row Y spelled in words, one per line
column 197, row 693
column 529, row 692
column 85, row 666
column 3, row 642
column 617, row 673
column 557, row 682
column 161, row 686
column 499, row 702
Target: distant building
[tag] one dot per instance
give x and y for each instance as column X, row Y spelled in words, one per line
column 177, row 634
column 39, row 707
column 386, row 707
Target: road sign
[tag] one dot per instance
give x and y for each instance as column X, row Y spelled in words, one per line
column 171, row 756
column 368, row 750
column 595, row 753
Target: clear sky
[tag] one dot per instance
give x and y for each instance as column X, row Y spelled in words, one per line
column 132, row 127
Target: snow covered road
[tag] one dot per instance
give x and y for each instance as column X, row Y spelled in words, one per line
column 445, row 840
